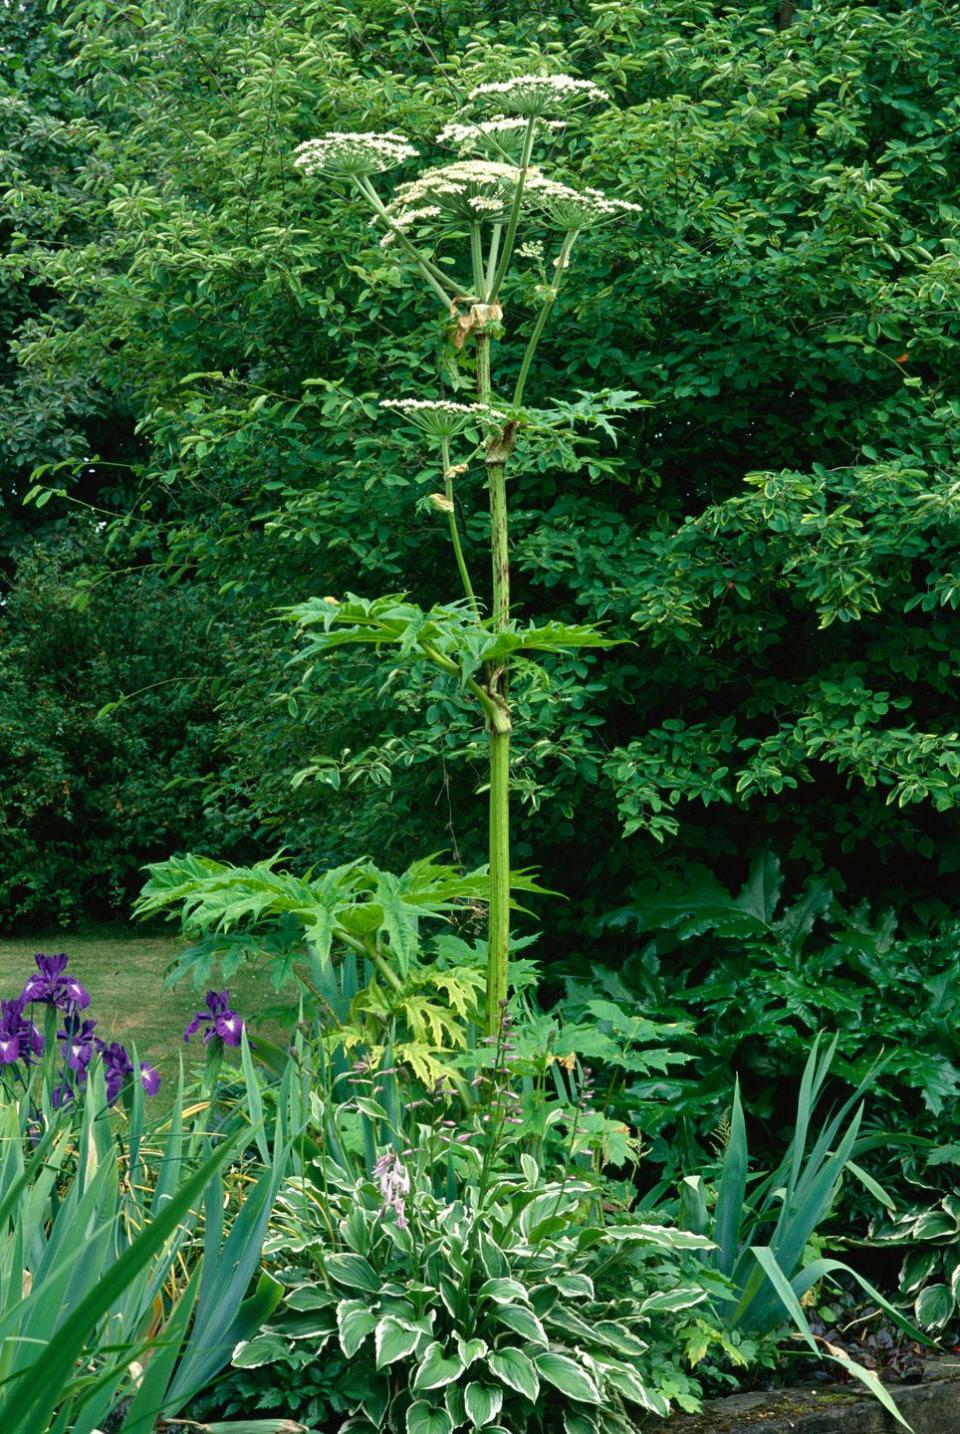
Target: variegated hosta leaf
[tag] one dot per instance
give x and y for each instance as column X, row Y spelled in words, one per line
column 355, row 1321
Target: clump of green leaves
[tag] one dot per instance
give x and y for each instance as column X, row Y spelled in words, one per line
column 757, row 974
column 577, row 1064
column 478, row 1313
column 762, row 1228
column 408, row 995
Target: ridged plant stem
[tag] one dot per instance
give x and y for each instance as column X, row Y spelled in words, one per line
column 563, row 259
column 454, row 527
column 498, row 718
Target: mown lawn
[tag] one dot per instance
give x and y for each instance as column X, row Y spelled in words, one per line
column 123, row 971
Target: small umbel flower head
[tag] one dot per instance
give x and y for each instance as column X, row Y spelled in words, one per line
column 468, row 189
column 567, row 209
column 436, row 416
column 501, row 136
column 536, row 95
column 344, row 155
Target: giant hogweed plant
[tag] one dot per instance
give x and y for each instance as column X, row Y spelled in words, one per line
column 457, row 229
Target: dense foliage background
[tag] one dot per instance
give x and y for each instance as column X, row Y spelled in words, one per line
column 193, row 345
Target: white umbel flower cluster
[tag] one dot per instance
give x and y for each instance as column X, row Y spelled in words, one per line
column 468, row 189
column 567, row 209
column 503, row 134
column 343, row 155
column 438, row 417
column 539, row 94
column 405, row 219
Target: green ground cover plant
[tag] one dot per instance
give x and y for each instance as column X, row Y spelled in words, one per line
column 450, row 1280
column 756, row 973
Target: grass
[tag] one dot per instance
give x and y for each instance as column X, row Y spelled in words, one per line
column 123, row 971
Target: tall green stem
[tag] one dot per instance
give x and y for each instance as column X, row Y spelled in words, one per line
column 492, row 256
column 454, row 529
column 476, row 259
column 498, row 933
column 496, row 477
column 563, row 260
column 498, row 717
column 514, row 218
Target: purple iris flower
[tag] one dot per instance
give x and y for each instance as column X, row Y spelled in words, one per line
column 78, row 1044
column 19, row 1037
column 218, row 1019
column 52, row 987
column 117, row 1066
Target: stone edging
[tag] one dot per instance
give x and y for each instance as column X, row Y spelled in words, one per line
column 931, row 1407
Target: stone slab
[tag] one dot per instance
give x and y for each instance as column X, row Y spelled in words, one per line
column 931, row 1407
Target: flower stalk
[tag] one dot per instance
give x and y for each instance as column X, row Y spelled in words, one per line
column 499, row 722
column 514, row 220
column 454, row 527
column 489, row 198
column 434, row 276
column 563, row 262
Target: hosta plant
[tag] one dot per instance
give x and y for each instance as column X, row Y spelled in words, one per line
column 930, row 1273
column 487, row 1311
